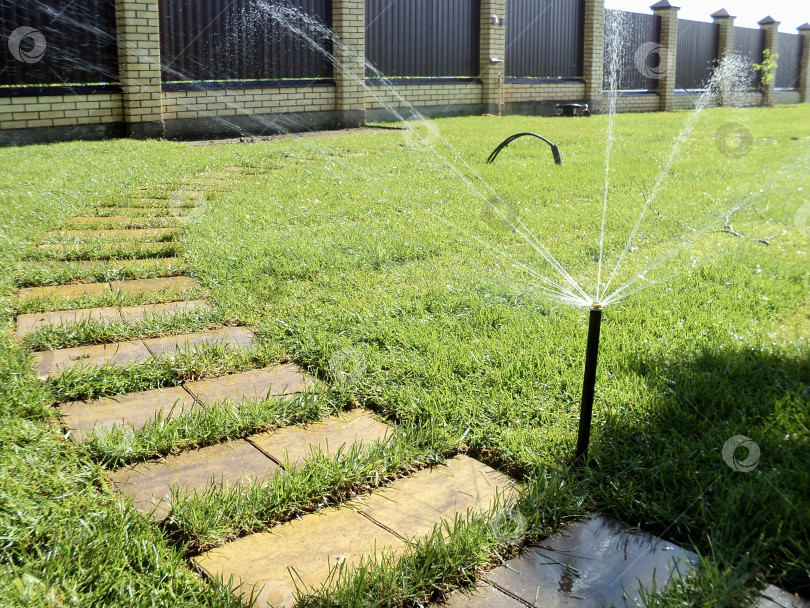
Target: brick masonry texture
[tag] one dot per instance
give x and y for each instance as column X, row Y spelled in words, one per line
column 142, row 100
column 201, row 104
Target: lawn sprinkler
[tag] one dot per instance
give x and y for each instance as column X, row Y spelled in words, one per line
column 554, row 149
column 588, row 383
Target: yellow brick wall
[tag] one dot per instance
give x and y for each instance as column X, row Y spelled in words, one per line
column 515, row 91
column 207, row 104
column 421, row 95
column 59, row 110
column 636, row 103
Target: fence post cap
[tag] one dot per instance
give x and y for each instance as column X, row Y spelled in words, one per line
column 804, row 27
column 767, row 21
column 721, row 14
column 663, row 4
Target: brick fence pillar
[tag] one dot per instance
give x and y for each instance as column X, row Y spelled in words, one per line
column 138, row 26
column 493, row 46
column 349, row 28
column 594, row 51
column 668, row 54
column 804, row 74
column 770, row 26
column 725, row 48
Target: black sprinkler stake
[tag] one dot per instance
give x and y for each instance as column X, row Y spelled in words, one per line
column 586, row 407
column 554, row 149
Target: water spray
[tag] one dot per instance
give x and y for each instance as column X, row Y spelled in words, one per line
column 554, row 149
column 588, row 383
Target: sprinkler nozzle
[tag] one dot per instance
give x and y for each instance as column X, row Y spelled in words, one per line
column 596, row 306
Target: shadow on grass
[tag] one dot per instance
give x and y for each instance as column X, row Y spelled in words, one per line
column 665, row 469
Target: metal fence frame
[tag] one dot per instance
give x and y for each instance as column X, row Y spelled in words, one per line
column 423, row 38
column 198, row 39
column 697, row 53
column 544, row 43
column 789, row 62
column 638, row 29
column 53, row 42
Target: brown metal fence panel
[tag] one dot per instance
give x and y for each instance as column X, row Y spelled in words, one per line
column 245, row 39
column 635, row 36
column 422, row 38
column 56, row 42
column 544, row 39
column 789, row 62
column 697, row 53
column 749, row 43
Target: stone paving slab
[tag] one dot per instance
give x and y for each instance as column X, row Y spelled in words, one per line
column 124, row 247
column 590, row 564
column 27, row 324
column 413, row 505
column 255, row 385
column 774, row 597
column 117, row 233
column 117, row 219
column 81, row 417
column 74, row 290
column 149, row 484
column 157, row 284
column 482, row 596
column 52, row 362
column 232, row 336
column 132, row 314
column 328, row 436
column 312, row 546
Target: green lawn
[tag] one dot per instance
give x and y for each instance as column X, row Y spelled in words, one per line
column 383, row 258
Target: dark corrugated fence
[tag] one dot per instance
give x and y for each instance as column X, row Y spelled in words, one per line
column 749, row 43
column 58, row 42
column 244, row 39
column 422, row 38
column 544, row 39
column 628, row 37
column 789, row 62
column 697, row 53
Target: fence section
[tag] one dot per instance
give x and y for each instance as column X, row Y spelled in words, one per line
column 422, row 38
column 544, row 39
column 53, row 42
column 697, row 53
column 631, row 50
column 790, row 60
column 748, row 43
column 245, row 40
